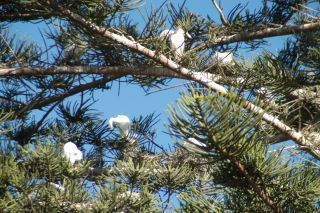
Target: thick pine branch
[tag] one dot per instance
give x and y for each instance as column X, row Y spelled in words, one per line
column 121, row 39
column 114, row 70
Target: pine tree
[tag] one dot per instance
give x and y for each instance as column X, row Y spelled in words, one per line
column 245, row 132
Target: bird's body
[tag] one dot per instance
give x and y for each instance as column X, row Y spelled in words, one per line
column 72, row 153
column 222, row 58
column 122, row 122
column 177, row 40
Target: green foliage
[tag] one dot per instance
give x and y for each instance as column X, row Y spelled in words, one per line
column 237, row 139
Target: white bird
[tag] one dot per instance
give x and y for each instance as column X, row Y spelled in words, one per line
column 57, row 186
column 222, row 58
column 122, row 122
column 177, row 40
column 72, row 153
column 194, row 141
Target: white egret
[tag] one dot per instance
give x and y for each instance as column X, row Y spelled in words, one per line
column 72, row 153
column 122, row 122
column 222, row 58
column 177, row 40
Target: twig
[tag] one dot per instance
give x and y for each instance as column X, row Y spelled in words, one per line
column 167, row 88
column 222, row 17
column 283, row 148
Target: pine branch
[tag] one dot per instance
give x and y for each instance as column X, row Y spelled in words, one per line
column 134, row 45
column 114, row 70
column 262, row 192
column 266, row 33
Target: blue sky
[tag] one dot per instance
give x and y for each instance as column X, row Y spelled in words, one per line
column 132, row 100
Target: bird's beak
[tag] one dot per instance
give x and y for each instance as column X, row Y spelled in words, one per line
column 188, row 35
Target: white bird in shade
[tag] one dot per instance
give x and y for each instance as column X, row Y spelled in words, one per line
column 122, row 122
column 177, row 40
column 57, row 186
column 194, row 141
column 72, row 153
column 222, row 58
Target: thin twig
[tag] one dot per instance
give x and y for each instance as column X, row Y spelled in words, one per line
column 222, row 17
column 168, row 88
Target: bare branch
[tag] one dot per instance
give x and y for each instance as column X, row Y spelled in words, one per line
column 115, row 70
column 222, row 17
column 110, row 71
column 269, row 32
column 162, row 59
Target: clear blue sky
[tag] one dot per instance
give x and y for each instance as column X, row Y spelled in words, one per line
column 132, row 100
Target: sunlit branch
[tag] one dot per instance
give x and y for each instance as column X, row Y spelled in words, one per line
column 269, row 32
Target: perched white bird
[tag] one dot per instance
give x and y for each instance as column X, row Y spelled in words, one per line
column 194, row 141
column 122, row 122
column 222, row 58
column 177, row 40
column 57, row 186
column 72, row 153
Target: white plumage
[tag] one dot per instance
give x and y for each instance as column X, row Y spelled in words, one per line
column 122, row 122
column 222, row 58
column 72, row 153
column 177, row 40
column 194, row 141
column 166, row 33
column 57, row 186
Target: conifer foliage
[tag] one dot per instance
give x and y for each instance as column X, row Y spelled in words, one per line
column 245, row 130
